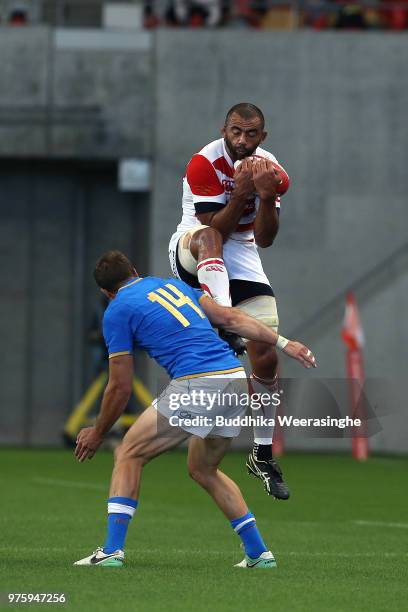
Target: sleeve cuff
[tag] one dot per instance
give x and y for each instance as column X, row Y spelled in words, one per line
column 206, row 207
column 119, row 354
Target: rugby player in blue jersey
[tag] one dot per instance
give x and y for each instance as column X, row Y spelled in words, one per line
column 173, row 323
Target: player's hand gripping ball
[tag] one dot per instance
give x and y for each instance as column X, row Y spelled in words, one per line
column 285, row 180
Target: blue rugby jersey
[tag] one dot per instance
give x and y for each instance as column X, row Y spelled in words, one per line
column 163, row 317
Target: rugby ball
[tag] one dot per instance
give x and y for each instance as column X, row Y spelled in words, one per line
column 285, row 180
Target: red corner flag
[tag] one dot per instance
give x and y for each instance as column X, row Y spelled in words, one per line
column 352, row 332
column 353, row 337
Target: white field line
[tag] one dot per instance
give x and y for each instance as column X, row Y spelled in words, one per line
column 381, row 524
column 70, row 483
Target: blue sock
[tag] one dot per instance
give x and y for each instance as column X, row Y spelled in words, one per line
column 120, row 511
column 247, row 530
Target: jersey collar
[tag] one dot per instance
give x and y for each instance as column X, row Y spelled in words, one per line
column 131, row 282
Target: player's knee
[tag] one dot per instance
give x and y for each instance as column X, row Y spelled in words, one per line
column 117, row 454
column 121, row 454
column 210, row 234
column 129, row 452
column 199, row 475
column 264, row 357
column 206, row 243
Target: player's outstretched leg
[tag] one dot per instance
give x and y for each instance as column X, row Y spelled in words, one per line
column 206, row 247
column 150, row 436
column 260, row 462
column 204, row 457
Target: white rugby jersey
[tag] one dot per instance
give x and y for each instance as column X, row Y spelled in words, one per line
column 208, row 186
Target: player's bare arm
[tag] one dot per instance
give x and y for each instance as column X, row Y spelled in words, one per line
column 266, row 179
column 227, row 219
column 237, row 321
column 114, row 402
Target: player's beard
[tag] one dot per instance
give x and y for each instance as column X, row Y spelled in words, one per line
column 239, row 152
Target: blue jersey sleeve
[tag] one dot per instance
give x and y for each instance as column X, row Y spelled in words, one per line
column 199, row 293
column 117, row 331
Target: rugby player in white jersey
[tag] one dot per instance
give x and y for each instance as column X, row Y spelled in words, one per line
column 227, row 214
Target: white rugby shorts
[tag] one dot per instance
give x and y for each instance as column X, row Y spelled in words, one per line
column 208, row 404
column 241, row 258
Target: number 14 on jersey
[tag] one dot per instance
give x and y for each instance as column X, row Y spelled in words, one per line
column 173, row 300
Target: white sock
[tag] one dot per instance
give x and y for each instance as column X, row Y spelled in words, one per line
column 264, row 434
column 213, row 278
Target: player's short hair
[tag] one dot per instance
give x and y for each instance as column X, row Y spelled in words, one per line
column 112, row 269
column 246, row 110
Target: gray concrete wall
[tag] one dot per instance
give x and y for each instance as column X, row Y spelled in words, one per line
column 56, row 220
column 75, row 93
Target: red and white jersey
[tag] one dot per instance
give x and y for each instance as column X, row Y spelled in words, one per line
column 208, row 186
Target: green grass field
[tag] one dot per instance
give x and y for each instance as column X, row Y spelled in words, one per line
column 340, row 541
